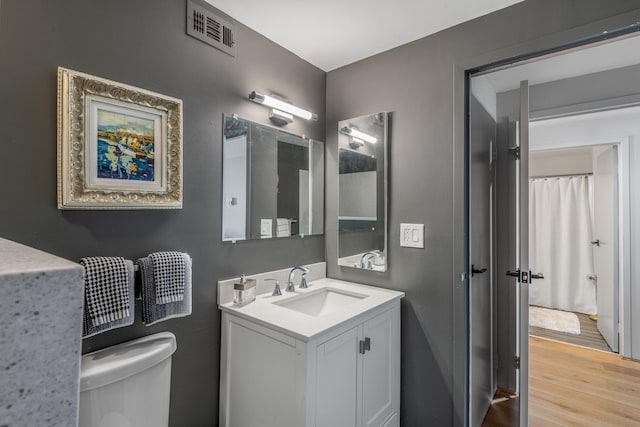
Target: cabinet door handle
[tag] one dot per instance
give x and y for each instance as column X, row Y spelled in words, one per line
column 365, row 345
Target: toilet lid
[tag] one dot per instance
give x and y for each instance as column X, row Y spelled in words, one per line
column 120, row 361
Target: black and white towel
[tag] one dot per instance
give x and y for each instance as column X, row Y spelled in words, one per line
column 89, row 329
column 106, row 289
column 153, row 312
column 168, row 274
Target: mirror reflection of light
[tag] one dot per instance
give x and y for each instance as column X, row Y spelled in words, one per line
column 357, row 135
column 363, row 136
column 282, row 114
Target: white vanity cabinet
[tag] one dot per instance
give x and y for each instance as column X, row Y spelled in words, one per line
column 347, row 376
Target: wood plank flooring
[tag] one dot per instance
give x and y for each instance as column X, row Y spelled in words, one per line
column 502, row 412
column 589, row 334
column 575, row 386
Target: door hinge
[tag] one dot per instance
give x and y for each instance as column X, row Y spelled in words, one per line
column 515, row 151
column 516, row 360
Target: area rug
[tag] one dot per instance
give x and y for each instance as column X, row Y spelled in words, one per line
column 556, row 320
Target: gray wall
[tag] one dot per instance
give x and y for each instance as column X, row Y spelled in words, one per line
column 263, row 187
column 421, row 84
column 143, row 43
column 592, row 91
column 561, row 162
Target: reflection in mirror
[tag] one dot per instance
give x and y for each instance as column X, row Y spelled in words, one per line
column 272, row 182
column 362, row 189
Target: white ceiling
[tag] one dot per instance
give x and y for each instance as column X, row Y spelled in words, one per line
column 332, row 33
column 602, row 57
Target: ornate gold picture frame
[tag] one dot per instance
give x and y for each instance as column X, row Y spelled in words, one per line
column 119, row 147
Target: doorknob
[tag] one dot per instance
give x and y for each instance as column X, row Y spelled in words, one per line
column 596, row 242
column 475, row 270
column 514, row 273
column 536, row 276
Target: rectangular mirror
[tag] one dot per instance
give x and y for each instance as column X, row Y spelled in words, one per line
column 362, row 192
column 272, row 182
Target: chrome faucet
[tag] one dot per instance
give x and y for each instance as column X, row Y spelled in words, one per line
column 276, row 289
column 369, row 255
column 303, row 280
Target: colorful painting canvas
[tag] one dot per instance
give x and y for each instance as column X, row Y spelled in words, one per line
column 119, row 146
column 125, row 146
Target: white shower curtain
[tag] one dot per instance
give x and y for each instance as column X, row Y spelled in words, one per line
column 560, row 243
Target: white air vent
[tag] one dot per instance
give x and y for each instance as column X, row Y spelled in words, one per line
column 210, row 28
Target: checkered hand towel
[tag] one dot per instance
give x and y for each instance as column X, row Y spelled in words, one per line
column 153, row 312
column 168, row 274
column 106, row 289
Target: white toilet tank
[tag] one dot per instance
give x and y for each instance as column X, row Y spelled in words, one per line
column 127, row 385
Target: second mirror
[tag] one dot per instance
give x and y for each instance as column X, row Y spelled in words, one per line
column 362, row 189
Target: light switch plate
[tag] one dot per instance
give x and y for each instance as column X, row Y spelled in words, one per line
column 266, row 228
column 412, row 235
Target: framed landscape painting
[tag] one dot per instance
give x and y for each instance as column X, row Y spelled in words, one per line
column 119, row 147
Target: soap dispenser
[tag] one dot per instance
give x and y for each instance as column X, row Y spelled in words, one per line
column 244, row 292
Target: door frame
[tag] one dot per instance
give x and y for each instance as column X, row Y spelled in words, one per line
column 575, row 38
column 624, row 223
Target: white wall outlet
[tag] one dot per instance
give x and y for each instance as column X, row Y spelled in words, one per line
column 266, row 228
column 412, row 235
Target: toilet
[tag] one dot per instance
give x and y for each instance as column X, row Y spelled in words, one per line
column 127, row 385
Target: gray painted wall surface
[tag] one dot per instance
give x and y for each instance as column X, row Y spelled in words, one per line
column 263, row 189
column 560, row 162
column 144, row 43
column 603, row 89
column 420, row 84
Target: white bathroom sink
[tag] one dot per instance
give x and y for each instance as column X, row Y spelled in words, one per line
column 306, row 313
column 320, row 302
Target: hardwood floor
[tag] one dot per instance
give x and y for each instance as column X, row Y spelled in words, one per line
column 575, row 386
column 503, row 411
column 589, row 335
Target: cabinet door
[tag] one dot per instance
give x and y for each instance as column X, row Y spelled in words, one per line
column 336, row 377
column 378, row 370
column 257, row 376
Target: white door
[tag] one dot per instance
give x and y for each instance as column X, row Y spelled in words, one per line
column 304, row 211
column 481, row 296
column 523, row 242
column 337, row 374
column 519, row 274
column 234, row 189
column 605, row 242
column 522, row 225
column 377, row 370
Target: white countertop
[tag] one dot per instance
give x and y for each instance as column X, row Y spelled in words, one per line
column 303, row 326
column 16, row 258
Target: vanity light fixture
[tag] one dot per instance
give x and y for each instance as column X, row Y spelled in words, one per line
column 280, row 118
column 356, row 143
column 280, row 107
column 355, row 134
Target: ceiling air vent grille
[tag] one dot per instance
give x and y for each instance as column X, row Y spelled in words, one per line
column 210, row 28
